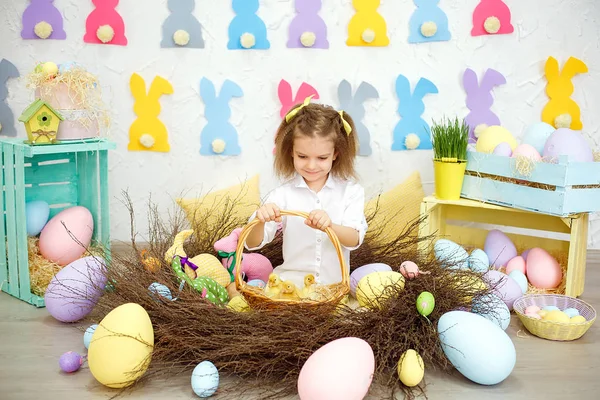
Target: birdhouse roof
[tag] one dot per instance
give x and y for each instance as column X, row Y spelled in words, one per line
column 35, row 107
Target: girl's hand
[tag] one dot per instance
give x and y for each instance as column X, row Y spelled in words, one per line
column 268, row 212
column 318, row 219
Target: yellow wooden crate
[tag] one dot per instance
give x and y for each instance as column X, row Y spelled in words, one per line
column 463, row 221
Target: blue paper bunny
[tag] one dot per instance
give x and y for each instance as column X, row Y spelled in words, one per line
column 246, row 21
column 217, row 113
column 411, row 108
column 428, row 11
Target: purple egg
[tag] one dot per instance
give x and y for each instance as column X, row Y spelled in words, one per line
column 503, row 286
column 567, row 142
column 499, row 248
column 524, row 255
column 70, row 361
column 363, row 271
column 503, row 149
column 75, row 290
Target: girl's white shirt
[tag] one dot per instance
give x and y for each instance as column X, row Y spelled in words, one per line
column 307, row 250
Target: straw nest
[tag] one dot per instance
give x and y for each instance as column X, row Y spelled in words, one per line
column 268, row 348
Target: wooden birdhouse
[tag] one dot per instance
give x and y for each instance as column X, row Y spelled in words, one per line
column 41, row 122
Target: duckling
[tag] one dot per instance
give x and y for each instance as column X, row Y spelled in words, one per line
column 289, row 291
column 273, row 286
column 309, row 286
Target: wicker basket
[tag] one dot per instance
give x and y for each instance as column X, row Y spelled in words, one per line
column 555, row 330
column 256, row 298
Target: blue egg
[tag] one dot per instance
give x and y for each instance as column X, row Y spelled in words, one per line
column 67, row 66
column 479, row 261
column 257, row 282
column 521, row 279
column 36, row 216
column 160, row 290
column 452, row 253
column 571, row 312
column 87, row 336
column 551, row 308
column 205, row 379
column 536, row 135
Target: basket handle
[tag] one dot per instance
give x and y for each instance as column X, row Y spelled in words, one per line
column 239, row 282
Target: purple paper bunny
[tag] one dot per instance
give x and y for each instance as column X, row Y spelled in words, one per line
column 480, row 99
column 308, row 20
column 38, row 11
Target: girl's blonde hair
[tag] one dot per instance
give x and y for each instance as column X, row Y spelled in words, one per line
column 316, row 120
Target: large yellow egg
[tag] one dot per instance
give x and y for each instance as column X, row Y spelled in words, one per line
column 210, row 266
column 372, row 288
column 557, row 316
column 411, row 368
column 121, row 346
column 492, row 137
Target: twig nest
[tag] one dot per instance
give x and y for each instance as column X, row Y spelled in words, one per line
column 368, row 35
column 181, row 37
column 491, row 24
column 105, row 33
column 412, row 141
column 563, row 121
column 147, row 140
column 247, row 40
column 308, row 39
column 218, row 146
column 43, row 30
column 479, row 129
column 428, row 29
column 49, row 68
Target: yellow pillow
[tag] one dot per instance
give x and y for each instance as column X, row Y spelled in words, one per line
column 244, row 199
column 397, row 208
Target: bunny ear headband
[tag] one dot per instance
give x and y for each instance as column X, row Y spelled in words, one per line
column 290, row 115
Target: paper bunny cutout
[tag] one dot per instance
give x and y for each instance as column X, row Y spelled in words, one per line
column 148, row 132
column 485, row 14
column 306, row 21
column 219, row 136
column 428, row 12
column 354, row 106
column 7, row 119
column 181, row 18
column 559, row 88
column 480, row 99
column 410, row 108
column 284, row 92
column 367, row 27
column 247, row 22
column 105, row 13
column 42, row 11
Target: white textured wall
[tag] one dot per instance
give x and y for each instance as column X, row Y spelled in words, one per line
column 560, row 28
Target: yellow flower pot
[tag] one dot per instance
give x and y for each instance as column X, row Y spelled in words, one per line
column 449, row 174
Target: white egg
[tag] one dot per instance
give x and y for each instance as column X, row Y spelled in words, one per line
column 205, row 379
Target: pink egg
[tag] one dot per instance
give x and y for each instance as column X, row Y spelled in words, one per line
column 543, row 271
column 533, row 315
column 57, row 245
column 526, row 150
column 503, row 286
column 340, row 370
column 532, row 309
column 517, row 263
column 499, row 248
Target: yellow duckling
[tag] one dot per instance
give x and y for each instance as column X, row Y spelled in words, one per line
column 289, row 291
column 309, row 286
column 273, row 286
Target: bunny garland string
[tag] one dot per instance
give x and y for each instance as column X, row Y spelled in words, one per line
column 355, row 107
column 148, row 133
column 491, row 17
column 412, row 132
column 367, row 27
column 219, row 136
column 428, row 23
column 104, row 25
column 307, row 29
column 480, row 100
column 7, row 119
column 181, row 28
column 42, row 20
column 559, row 89
column 247, row 30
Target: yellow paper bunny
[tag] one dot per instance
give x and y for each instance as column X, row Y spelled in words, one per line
column 148, row 132
column 367, row 27
column 559, row 89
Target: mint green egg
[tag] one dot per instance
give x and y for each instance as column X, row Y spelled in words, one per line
column 425, row 303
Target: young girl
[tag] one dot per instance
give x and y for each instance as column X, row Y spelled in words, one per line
column 315, row 151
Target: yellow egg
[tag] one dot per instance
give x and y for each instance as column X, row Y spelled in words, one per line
column 492, row 137
column 578, row 319
column 50, row 68
column 372, row 287
column 472, row 283
column 557, row 316
column 411, row 368
column 121, row 348
column 238, row 303
column 542, row 313
column 210, row 266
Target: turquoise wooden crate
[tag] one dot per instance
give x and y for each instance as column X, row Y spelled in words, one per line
column 64, row 175
column 569, row 187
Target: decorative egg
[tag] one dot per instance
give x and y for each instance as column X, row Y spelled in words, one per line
column 533, row 315
column 56, row 243
column 373, row 288
column 451, row 253
column 567, row 142
column 87, row 336
column 492, row 136
column 503, row 149
column 532, row 309
column 363, row 271
column 158, row 290
column 478, row 348
column 557, row 316
column 524, row 255
column 479, row 261
column 571, row 312
column 239, row 304
column 469, row 284
column 551, row 308
column 122, row 346
column 537, row 134
column 257, row 283
column 425, row 303
column 36, row 216
column 205, row 379
column 543, row 271
column 493, row 308
column 410, row 270
column 74, row 291
column 521, row 279
column 411, row 368
column 499, row 248
column 516, row 263
column 340, row 370
column 503, row 286
column 578, row 319
column 527, row 151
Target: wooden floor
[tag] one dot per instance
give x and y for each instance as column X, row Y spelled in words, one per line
column 32, row 342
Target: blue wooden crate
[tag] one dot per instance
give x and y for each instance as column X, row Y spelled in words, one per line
column 64, row 175
column 566, row 187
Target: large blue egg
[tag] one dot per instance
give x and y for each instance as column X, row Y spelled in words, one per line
column 36, row 216
column 536, row 135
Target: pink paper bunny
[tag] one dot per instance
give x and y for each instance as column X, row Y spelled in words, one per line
column 491, row 8
column 105, row 13
column 254, row 265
